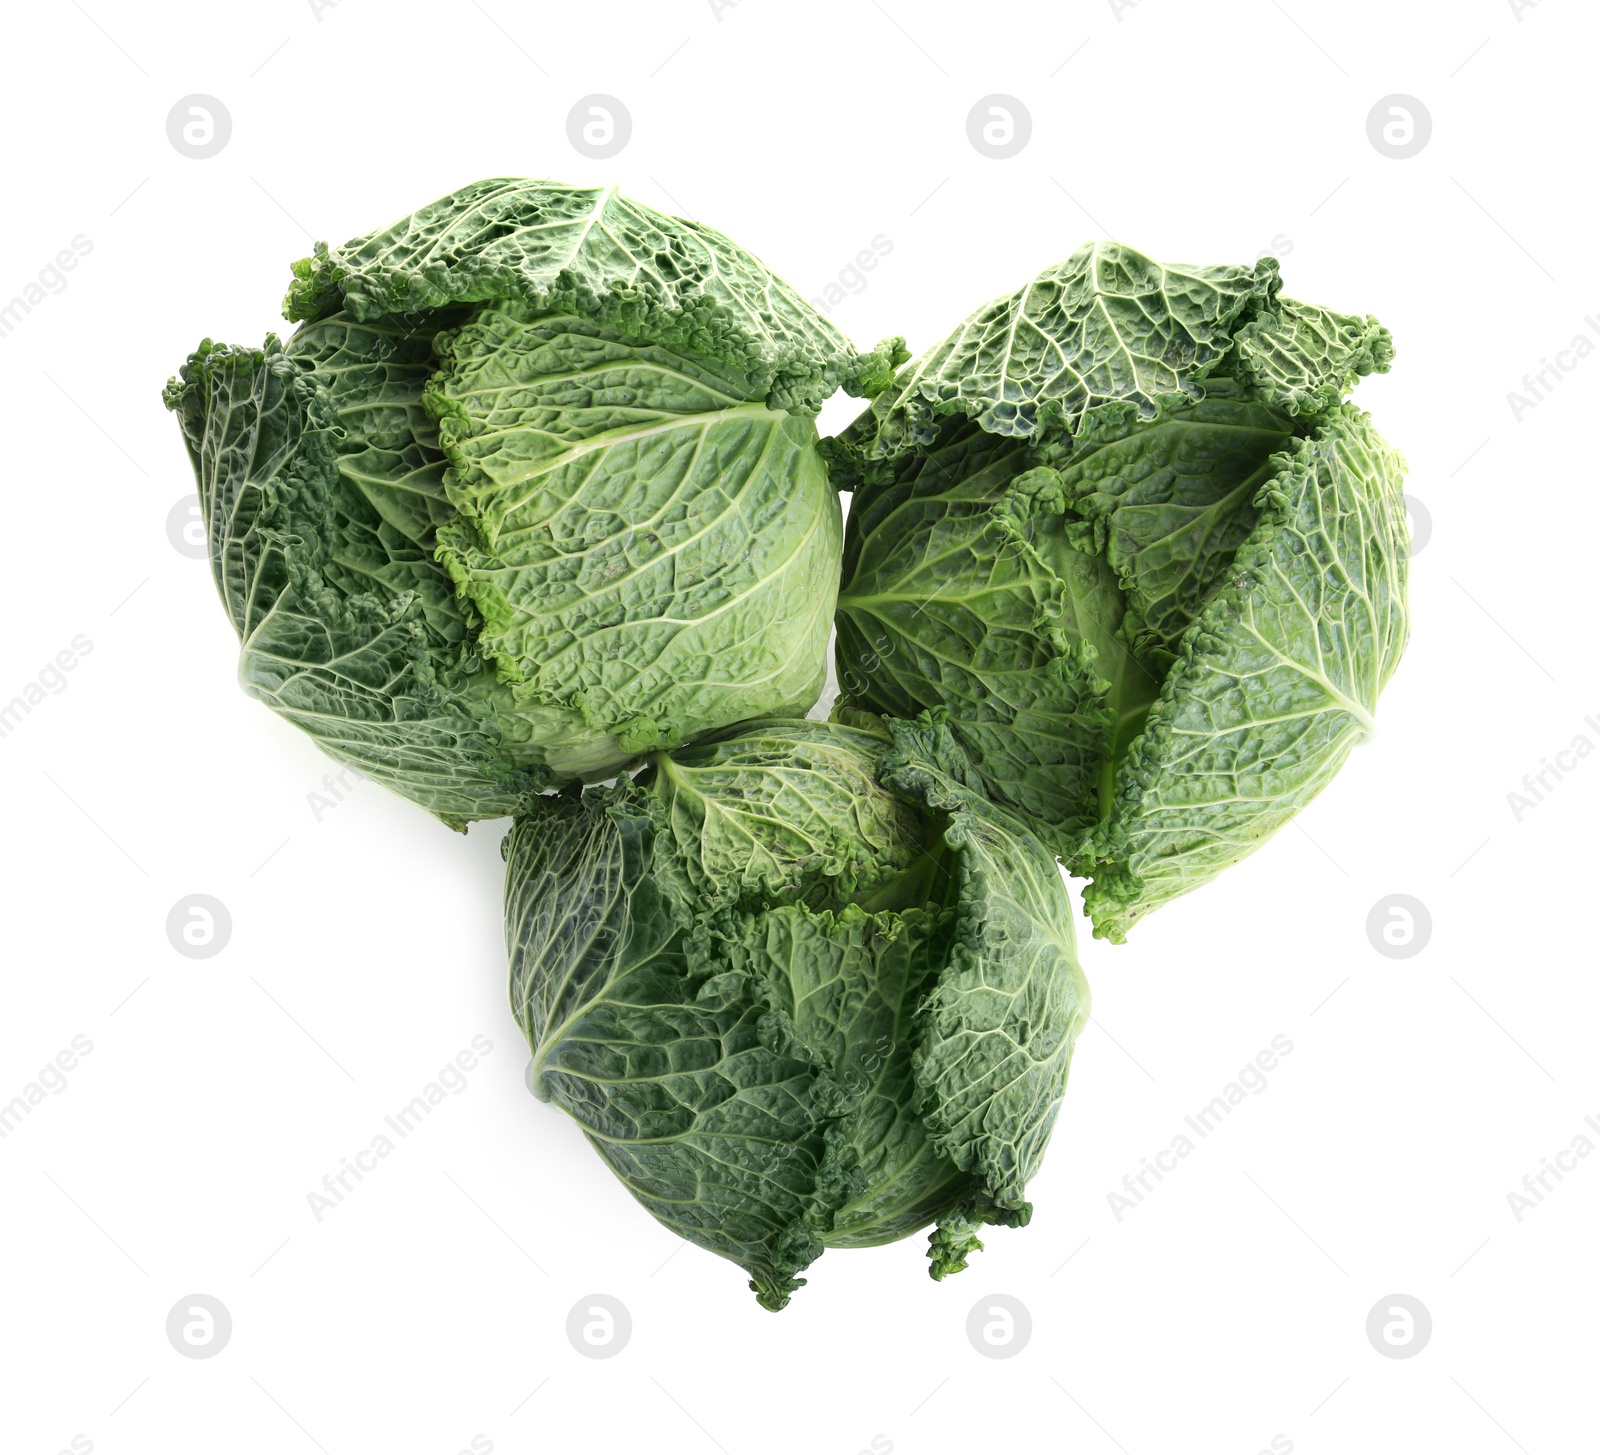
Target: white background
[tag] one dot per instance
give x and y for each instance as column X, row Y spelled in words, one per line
column 1230, row 1306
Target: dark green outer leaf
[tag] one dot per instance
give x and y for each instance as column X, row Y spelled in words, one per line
column 998, row 1030
column 961, row 593
column 346, row 629
column 1171, row 501
column 1277, row 679
column 666, row 1072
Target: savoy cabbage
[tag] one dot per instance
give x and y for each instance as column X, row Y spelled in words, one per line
column 803, row 986
column 1123, row 528
column 532, row 490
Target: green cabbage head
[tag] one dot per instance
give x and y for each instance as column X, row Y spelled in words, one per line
column 802, row 986
column 532, row 490
column 1123, row 529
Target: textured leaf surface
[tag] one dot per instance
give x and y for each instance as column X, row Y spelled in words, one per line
column 646, row 545
column 708, row 1125
column 780, row 811
column 747, row 1074
column 744, row 1039
column 1048, row 506
column 596, row 252
column 1172, row 501
column 1107, row 325
column 1277, row 680
column 319, row 493
column 1302, row 358
column 845, row 988
column 951, row 600
column 632, row 542
column 998, row 1030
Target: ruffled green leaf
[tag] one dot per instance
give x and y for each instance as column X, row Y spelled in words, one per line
column 708, row 1123
column 592, row 251
column 844, row 988
column 999, row 1027
column 778, row 812
column 540, row 471
column 1108, row 325
column 1303, row 359
column 647, row 545
column 1049, row 504
column 1276, row 680
column 1171, row 501
column 318, row 491
column 964, row 590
